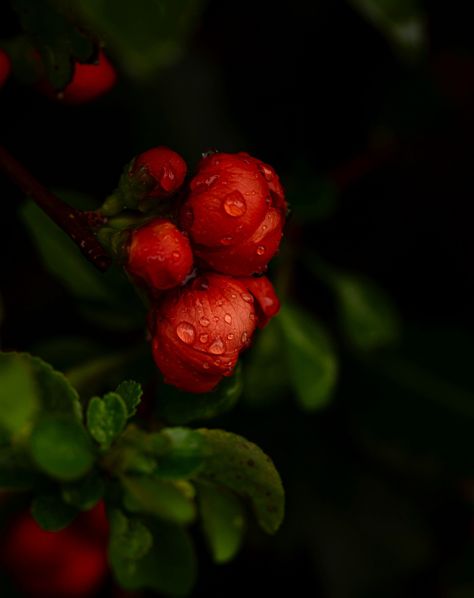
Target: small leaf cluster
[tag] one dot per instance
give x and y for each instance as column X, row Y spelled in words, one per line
column 155, row 483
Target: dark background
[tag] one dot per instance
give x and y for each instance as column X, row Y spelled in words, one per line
column 379, row 485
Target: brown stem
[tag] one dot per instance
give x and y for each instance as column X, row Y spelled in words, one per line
column 73, row 222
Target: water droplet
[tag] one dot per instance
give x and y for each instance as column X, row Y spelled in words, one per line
column 217, row 347
column 267, row 172
column 205, row 365
column 186, row 332
column 217, row 362
column 234, row 296
column 228, row 318
column 204, row 322
column 260, row 250
column 201, row 284
column 226, row 240
column 176, row 255
column 246, row 297
column 204, row 338
column 234, row 204
column 166, row 179
column 219, row 302
column 244, row 337
column 230, row 336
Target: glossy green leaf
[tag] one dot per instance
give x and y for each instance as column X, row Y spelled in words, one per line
column 61, row 448
column 266, row 371
column 368, row 317
column 131, row 393
column 106, row 418
column 85, row 493
column 311, row 359
column 51, row 513
column 130, row 539
column 145, row 35
column 403, row 22
column 168, row 500
column 179, row 407
column 245, row 469
column 183, row 455
column 223, row 521
column 19, row 401
column 169, row 567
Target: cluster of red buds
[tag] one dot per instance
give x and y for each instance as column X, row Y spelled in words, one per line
column 68, row 563
column 203, row 263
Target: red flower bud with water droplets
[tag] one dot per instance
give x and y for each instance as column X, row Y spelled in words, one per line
column 71, row 563
column 234, row 213
column 267, row 304
column 5, row 67
column 159, row 255
column 89, row 82
column 165, row 168
column 198, row 331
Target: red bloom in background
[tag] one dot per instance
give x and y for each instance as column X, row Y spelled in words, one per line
column 166, row 168
column 159, row 255
column 71, row 563
column 89, row 82
column 199, row 331
column 234, row 213
column 5, row 67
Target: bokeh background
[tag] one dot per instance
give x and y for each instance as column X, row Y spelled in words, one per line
column 366, row 110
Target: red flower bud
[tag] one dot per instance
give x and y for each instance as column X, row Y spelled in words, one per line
column 199, row 331
column 5, row 67
column 165, row 167
column 267, row 303
column 159, row 255
column 234, row 213
column 89, row 82
column 70, row 563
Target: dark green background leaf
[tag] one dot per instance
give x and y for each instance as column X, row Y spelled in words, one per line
column 244, row 468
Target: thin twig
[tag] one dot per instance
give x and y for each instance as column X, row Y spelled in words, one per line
column 72, row 221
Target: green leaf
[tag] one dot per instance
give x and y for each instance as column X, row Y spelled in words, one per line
column 168, row 500
column 131, row 393
column 223, row 521
column 85, row 493
column 106, row 418
column 183, row 454
column 403, row 22
column 367, row 315
column 16, row 470
column 179, row 407
column 55, row 394
column 51, row 513
column 266, row 372
column 19, row 400
column 62, row 258
column 169, row 567
column 61, row 448
column 245, row 469
column 145, row 35
column 130, row 539
column 312, row 361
